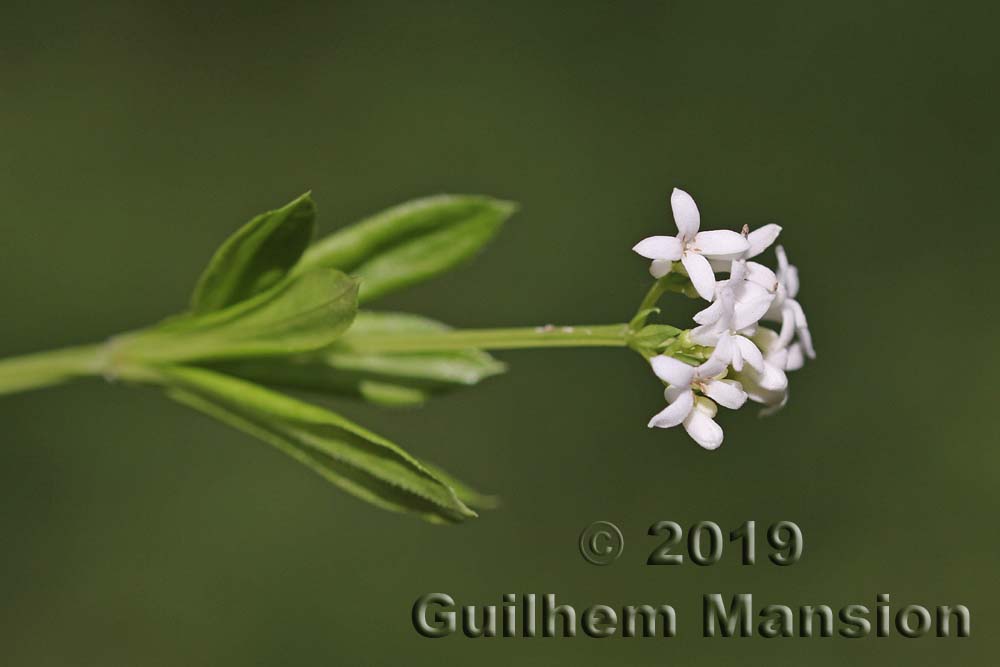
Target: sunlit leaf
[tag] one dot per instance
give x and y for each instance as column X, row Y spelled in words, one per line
column 303, row 314
column 410, row 243
column 257, row 256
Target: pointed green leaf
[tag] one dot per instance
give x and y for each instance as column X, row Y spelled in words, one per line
column 303, row 314
column 257, row 256
column 474, row 499
column 390, row 379
column 358, row 461
column 410, row 243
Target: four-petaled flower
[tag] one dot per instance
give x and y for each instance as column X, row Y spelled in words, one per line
column 723, row 326
column 692, row 247
column 750, row 299
column 696, row 412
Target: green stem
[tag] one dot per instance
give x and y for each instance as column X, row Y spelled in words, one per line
column 606, row 335
column 653, row 295
column 675, row 281
column 43, row 369
column 50, row 368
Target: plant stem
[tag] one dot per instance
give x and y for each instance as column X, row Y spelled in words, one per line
column 653, row 295
column 43, row 369
column 605, row 335
column 675, row 281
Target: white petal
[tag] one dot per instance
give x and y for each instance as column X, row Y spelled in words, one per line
column 761, row 239
column 720, row 242
column 672, row 371
column 756, row 393
column 776, row 356
column 675, row 413
column 807, row 343
column 713, row 313
column 798, row 313
column 772, row 378
column 787, row 325
column 753, row 303
column 791, row 280
column 774, row 312
column 782, row 259
column 660, row 267
column 701, row 274
column 737, row 358
column 673, row 392
column 706, row 334
column 762, row 275
column 685, row 213
column 727, row 393
column 703, row 429
column 750, row 353
column 795, row 359
column 802, row 328
column 659, row 247
column 719, row 360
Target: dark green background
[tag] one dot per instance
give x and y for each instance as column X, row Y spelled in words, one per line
column 135, row 136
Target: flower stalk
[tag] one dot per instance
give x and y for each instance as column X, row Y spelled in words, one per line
column 607, row 335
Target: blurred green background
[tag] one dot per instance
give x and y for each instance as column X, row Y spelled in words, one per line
column 135, row 136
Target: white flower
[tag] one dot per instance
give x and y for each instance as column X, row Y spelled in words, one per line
column 770, row 387
column 786, row 309
column 696, row 412
column 727, row 329
column 751, row 300
column 691, row 247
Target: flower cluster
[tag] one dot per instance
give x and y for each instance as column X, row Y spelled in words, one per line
column 747, row 360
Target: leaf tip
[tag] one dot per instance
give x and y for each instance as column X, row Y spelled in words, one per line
column 507, row 207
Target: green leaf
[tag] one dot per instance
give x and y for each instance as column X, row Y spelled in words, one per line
column 302, row 314
column 391, row 379
column 411, row 242
column 356, row 460
column 654, row 336
column 256, row 257
column 466, row 494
